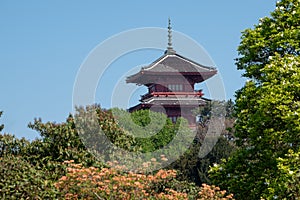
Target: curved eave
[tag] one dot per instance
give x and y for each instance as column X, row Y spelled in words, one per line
column 167, row 102
column 145, row 77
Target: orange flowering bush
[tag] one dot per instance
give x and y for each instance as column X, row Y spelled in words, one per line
column 113, row 183
column 213, row 193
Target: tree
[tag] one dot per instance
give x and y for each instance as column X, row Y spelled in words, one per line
column 149, row 130
column 229, row 107
column 279, row 34
column 58, row 142
column 194, row 169
column 288, row 181
column 10, row 145
column 21, row 180
column 132, row 138
column 1, row 126
column 267, row 108
column 191, row 166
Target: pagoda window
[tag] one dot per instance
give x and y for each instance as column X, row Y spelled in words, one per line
column 175, row 87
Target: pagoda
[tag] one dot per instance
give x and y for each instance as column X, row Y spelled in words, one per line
column 170, row 80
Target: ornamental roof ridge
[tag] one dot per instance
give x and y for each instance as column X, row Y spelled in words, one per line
column 184, row 59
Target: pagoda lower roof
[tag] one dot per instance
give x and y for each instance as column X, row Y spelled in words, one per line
column 174, row 101
column 169, row 102
column 172, row 94
column 172, row 64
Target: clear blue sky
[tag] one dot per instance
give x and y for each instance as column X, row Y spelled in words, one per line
column 43, row 44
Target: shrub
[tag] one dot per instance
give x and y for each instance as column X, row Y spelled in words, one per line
column 20, row 180
column 10, row 145
column 111, row 183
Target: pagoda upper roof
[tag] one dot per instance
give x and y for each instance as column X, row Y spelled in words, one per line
column 172, row 63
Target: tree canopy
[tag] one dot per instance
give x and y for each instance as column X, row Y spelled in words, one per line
column 267, row 108
column 279, row 33
column 59, row 166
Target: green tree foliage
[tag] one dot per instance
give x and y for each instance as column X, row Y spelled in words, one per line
column 267, row 109
column 216, row 109
column 30, row 169
column 100, row 132
column 132, row 137
column 191, row 166
column 21, row 180
column 229, row 108
column 288, row 181
column 151, row 130
column 39, row 162
column 10, row 145
column 58, row 142
column 279, row 33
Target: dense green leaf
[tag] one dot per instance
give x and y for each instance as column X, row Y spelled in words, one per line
column 267, row 109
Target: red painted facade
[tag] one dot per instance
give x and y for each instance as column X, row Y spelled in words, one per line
column 170, row 81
